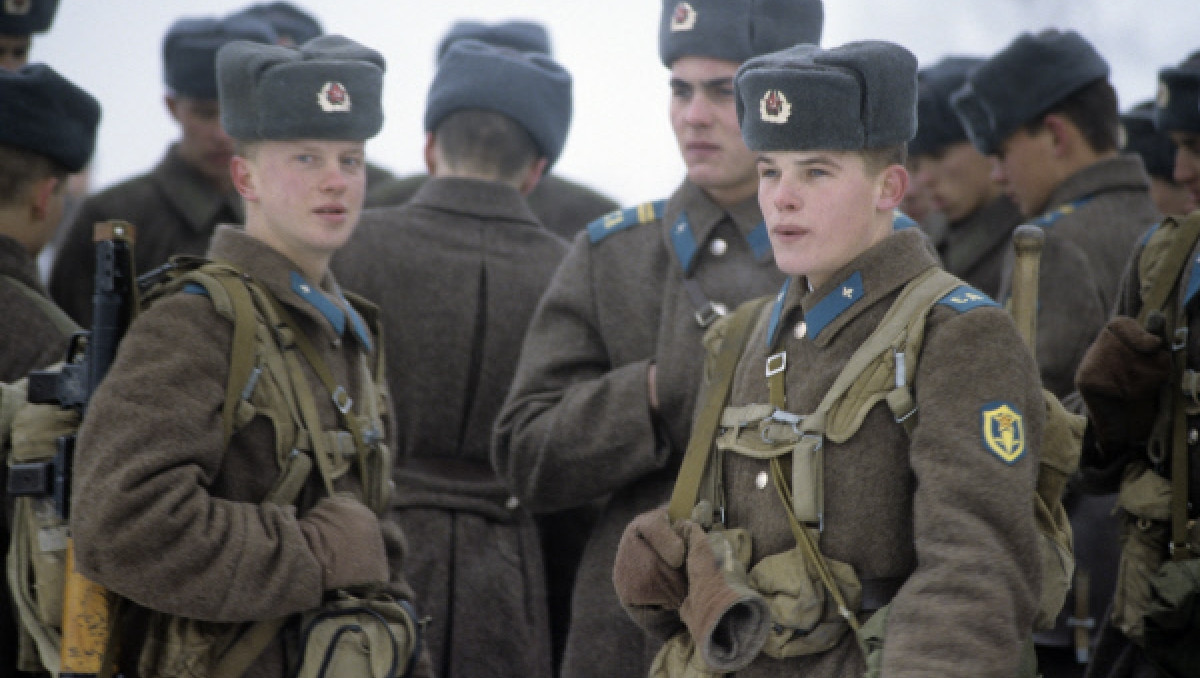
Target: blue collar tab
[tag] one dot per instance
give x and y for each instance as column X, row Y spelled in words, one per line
column 760, row 241
column 776, row 312
column 683, row 241
column 834, row 304
column 1049, row 218
column 901, row 221
column 335, row 315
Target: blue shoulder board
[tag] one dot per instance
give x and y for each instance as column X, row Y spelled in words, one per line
column 964, row 298
column 195, row 288
column 622, row 219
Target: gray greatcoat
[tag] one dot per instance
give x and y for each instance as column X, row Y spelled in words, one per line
column 35, row 334
column 976, row 248
column 577, row 425
column 938, row 513
column 174, row 209
column 457, row 272
column 168, row 516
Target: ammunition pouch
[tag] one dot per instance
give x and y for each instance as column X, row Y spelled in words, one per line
column 1173, row 618
column 184, row 648
column 805, row 618
column 369, row 636
column 1144, row 505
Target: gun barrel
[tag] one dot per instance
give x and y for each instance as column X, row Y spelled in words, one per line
column 1027, row 241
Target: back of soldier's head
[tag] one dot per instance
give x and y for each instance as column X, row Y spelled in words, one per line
column 494, row 110
column 519, row 35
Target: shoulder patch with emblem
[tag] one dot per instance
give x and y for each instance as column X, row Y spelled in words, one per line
column 964, row 298
column 1003, row 430
column 622, row 219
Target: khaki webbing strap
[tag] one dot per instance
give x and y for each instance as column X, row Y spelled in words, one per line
column 243, row 348
column 776, row 374
column 704, row 429
column 1179, row 464
column 1172, row 266
column 57, row 317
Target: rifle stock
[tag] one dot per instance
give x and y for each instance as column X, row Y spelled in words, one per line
column 1027, row 241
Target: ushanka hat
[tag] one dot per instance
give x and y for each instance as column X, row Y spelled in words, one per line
column 1177, row 108
column 329, row 88
column 1023, row 81
column 292, row 25
column 26, row 17
column 190, row 50
column 43, row 112
column 1146, row 140
column 522, row 36
column 858, row 96
column 528, row 87
column 736, row 30
column 937, row 125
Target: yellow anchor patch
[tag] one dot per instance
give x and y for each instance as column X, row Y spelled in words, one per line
column 1003, row 431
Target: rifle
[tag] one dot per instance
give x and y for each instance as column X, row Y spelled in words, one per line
column 87, row 606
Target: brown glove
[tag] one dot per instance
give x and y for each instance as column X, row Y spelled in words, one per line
column 346, row 539
column 648, row 571
column 1119, row 379
column 728, row 620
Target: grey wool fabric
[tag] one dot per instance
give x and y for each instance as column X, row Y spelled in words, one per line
column 1026, row 78
column 937, row 124
column 530, row 88
column 27, row 18
column 858, row 96
column 521, row 36
column 190, row 48
column 328, row 88
column 735, row 30
column 292, row 25
column 47, row 114
column 1178, row 105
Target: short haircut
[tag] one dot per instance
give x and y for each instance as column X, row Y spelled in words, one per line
column 486, row 143
column 20, row 168
column 875, row 160
column 1092, row 109
column 245, row 149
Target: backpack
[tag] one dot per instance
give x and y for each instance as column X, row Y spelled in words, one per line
column 881, row 369
column 265, row 379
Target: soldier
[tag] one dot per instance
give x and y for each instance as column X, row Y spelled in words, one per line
column 19, row 20
column 188, row 524
column 1044, row 108
column 980, row 217
column 37, row 151
column 176, row 205
column 562, row 205
column 603, row 394
column 1131, row 381
column 472, row 261
column 1158, row 154
column 932, row 522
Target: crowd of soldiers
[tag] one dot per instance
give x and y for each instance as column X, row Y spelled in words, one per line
column 528, row 362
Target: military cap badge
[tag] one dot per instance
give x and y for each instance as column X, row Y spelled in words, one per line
column 1164, row 95
column 1003, row 431
column 17, row 7
column 333, row 97
column 683, row 18
column 774, row 107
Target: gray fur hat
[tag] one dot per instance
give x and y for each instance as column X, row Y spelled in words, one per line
column 292, row 25
column 859, row 96
column 523, row 36
column 190, row 50
column 736, row 30
column 529, row 87
column 937, row 125
column 26, row 17
column 47, row 114
column 328, row 88
column 1024, row 80
column 1178, row 105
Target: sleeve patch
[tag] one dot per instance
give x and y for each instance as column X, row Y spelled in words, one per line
column 1003, row 430
column 622, row 219
column 964, row 298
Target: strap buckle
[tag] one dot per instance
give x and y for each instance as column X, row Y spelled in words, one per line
column 710, row 313
column 1180, row 339
column 342, row 400
column 776, row 364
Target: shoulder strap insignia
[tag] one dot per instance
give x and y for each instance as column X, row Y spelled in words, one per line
column 964, row 298
column 622, row 219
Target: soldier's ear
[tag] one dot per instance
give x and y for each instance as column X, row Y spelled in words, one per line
column 537, row 169
column 430, row 154
column 893, row 184
column 243, row 173
column 41, row 197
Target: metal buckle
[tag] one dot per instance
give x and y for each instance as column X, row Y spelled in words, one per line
column 709, row 314
column 342, row 400
column 780, row 363
column 1181, row 337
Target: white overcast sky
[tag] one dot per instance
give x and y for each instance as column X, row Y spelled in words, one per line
column 620, row 141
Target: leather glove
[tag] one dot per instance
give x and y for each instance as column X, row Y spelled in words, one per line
column 345, row 537
column 728, row 620
column 648, row 571
column 1119, row 379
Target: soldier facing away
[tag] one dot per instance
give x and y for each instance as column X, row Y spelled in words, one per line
column 927, row 522
column 210, row 531
column 604, row 390
column 457, row 272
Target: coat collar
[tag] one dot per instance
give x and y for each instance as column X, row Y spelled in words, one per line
column 192, row 194
column 691, row 217
column 323, row 303
column 872, row 276
column 16, row 263
column 970, row 240
column 489, row 200
column 1122, row 173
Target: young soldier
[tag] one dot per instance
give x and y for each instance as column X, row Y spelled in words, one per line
column 1132, row 381
column 958, row 178
column 172, row 514
column 933, row 522
column 604, row 390
column 1157, row 152
column 1044, row 108
column 18, row 22
column 564, row 206
column 175, row 206
column 47, row 130
column 472, row 261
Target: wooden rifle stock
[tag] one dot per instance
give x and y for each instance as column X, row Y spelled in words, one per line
column 1027, row 241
